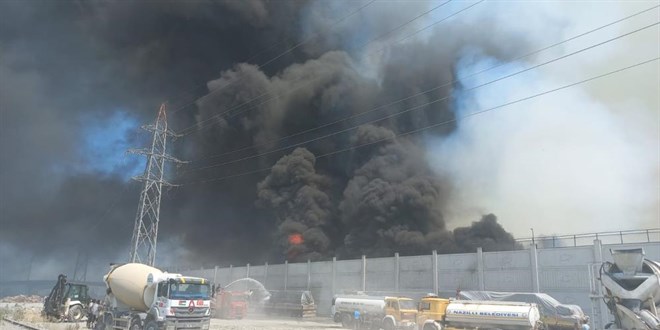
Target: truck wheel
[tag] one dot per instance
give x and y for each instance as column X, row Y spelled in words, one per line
column 151, row 325
column 108, row 321
column 76, row 313
column 430, row 326
column 136, row 324
column 346, row 321
column 389, row 325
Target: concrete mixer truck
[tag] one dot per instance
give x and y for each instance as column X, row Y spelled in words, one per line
column 438, row 313
column 374, row 312
column 632, row 290
column 143, row 297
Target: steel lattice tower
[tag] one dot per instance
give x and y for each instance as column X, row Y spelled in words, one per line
column 80, row 271
column 145, row 232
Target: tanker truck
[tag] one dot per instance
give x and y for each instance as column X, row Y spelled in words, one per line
column 438, row 313
column 143, row 297
column 374, row 312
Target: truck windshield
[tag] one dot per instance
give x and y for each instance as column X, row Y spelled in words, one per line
column 407, row 304
column 189, row 291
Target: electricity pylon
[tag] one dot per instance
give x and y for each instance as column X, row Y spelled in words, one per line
column 145, row 232
column 80, row 270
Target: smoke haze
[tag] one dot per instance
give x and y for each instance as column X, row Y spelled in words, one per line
column 78, row 78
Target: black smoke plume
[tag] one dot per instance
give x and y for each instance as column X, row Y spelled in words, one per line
column 66, row 61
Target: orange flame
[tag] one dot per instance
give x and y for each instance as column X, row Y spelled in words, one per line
column 296, row 239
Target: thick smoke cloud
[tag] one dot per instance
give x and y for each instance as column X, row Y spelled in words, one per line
column 382, row 197
column 67, row 65
column 392, row 199
column 296, row 192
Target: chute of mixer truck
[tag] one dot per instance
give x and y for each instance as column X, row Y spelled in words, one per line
column 143, row 297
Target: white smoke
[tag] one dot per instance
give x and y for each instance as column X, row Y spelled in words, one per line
column 583, row 159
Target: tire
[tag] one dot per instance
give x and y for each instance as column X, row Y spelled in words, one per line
column 388, row 325
column 430, row 326
column 151, row 325
column 107, row 323
column 76, row 313
column 336, row 318
column 346, row 321
column 136, row 324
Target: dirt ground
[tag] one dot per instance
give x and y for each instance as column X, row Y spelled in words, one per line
column 245, row 324
column 29, row 313
column 275, row 324
column 9, row 326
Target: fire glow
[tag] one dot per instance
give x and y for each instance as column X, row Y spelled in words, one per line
column 296, row 239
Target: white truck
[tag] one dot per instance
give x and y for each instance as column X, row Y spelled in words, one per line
column 374, row 312
column 143, row 297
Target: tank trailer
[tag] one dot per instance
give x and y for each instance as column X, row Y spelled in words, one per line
column 439, row 313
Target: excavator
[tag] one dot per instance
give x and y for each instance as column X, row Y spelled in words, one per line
column 66, row 301
column 631, row 290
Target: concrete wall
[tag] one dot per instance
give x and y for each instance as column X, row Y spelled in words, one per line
column 566, row 273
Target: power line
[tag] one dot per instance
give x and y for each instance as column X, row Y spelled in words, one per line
column 441, row 123
column 405, row 23
column 432, row 24
column 428, row 90
column 190, row 129
column 422, row 105
column 317, row 34
column 199, row 125
column 314, row 36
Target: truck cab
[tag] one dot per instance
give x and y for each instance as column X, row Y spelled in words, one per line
column 431, row 312
column 400, row 311
column 230, row 304
column 182, row 301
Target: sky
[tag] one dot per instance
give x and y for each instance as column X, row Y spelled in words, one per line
column 349, row 123
column 588, row 167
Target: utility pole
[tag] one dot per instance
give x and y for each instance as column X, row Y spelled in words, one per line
column 145, row 232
